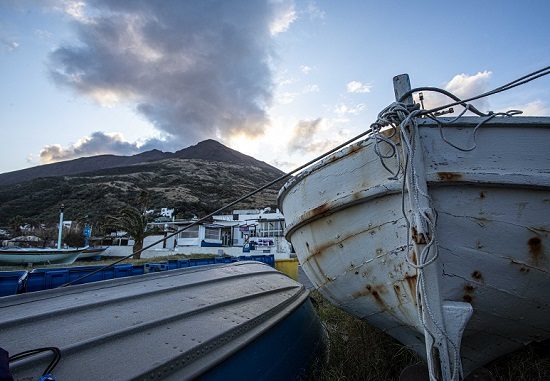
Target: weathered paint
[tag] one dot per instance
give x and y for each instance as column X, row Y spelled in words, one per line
column 492, row 228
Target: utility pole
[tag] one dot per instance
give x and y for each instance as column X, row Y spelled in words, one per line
column 60, row 233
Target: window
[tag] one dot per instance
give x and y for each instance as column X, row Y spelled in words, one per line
column 271, row 229
column 212, row 233
column 192, row 232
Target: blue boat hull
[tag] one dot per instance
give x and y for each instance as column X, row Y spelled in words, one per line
column 285, row 352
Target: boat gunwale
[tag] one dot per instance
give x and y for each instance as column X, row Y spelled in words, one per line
column 346, row 202
column 40, row 251
column 109, row 283
column 463, row 122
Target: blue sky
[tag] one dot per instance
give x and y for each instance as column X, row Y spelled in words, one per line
column 279, row 80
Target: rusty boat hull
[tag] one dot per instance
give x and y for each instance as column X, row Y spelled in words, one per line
column 347, row 220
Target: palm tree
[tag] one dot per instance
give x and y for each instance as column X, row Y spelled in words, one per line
column 15, row 225
column 132, row 221
column 142, row 200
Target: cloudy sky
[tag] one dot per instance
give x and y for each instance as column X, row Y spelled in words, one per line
column 280, row 80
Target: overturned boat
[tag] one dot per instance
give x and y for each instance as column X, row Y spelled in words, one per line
column 435, row 230
column 235, row 321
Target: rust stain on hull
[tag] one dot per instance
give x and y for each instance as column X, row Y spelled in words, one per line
column 449, row 176
column 413, row 257
column 376, row 292
column 318, row 251
column 411, row 282
column 536, row 250
column 477, row 275
column 420, row 239
column 318, row 211
column 468, row 296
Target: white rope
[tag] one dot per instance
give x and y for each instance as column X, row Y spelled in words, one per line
column 404, row 121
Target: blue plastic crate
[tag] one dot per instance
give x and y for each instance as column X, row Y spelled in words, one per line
column 12, row 282
column 55, row 278
column 202, row 261
column 44, row 279
column 225, row 260
column 81, row 271
column 109, row 273
column 267, row 259
column 138, row 269
column 155, row 267
column 184, row 263
column 36, row 280
column 124, row 270
column 178, row 263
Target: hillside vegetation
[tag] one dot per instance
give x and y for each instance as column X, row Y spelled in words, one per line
column 191, row 186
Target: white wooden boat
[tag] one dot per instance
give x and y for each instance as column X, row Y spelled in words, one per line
column 92, row 252
column 23, row 256
column 467, row 280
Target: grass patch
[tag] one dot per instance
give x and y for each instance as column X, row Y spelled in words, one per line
column 358, row 351
column 531, row 363
column 142, row 261
column 107, row 261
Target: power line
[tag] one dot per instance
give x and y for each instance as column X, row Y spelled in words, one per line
column 517, row 82
column 510, row 85
column 252, row 193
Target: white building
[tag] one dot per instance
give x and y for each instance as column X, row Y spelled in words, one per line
column 259, row 230
column 165, row 212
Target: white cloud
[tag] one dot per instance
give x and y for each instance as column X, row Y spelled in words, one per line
column 358, row 87
column 311, row 89
column 340, row 120
column 96, row 144
column 534, row 108
column 286, row 15
column 463, row 86
column 286, row 81
column 305, row 69
column 9, row 45
column 286, row 97
column 76, row 9
column 343, row 109
column 285, row 165
column 314, row 11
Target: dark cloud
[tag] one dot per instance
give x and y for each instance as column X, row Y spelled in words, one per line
column 195, row 69
column 303, row 138
column 96, row 144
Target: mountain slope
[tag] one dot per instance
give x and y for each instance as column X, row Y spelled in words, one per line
column 207, row 150
column 76, row 166
column 191, row 185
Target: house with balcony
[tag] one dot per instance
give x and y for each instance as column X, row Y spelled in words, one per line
column 256, row 230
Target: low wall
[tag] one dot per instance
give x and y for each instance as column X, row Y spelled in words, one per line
column 233, row 251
